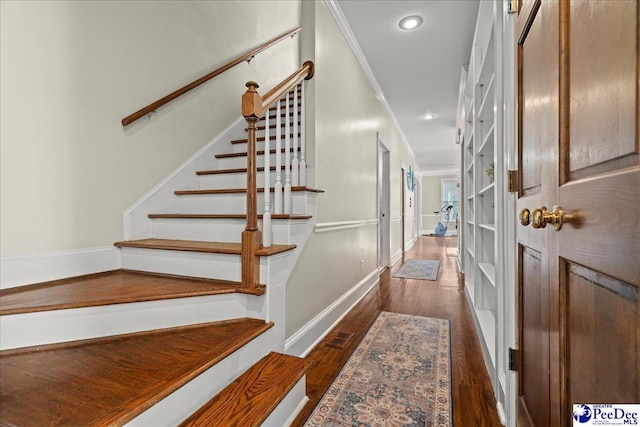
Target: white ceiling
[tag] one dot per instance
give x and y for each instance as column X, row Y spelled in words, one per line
column 418, row 71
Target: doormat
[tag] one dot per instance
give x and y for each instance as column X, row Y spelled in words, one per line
column 400, row 374
column 421, row 269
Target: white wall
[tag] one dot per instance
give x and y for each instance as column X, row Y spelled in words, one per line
column 347, row 117
column 432, row 199
column 71, row 70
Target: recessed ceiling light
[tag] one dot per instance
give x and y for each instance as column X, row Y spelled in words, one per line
column 428, row 116
column 410, row 22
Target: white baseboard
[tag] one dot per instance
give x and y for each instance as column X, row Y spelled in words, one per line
column 411, row 243
column 306, row 338
column 396, row 257
column 29, row 269
column 501, row 414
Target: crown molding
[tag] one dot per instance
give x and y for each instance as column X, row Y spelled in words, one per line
column 341, row 20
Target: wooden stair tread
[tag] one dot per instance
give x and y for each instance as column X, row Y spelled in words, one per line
column 233, row 170
column 112, row 287
column 240, row 190
column 244, row 153
column 284, row 125
column 284, row 106
column 250, row 399
column 225, row 216
column 262, row 138
column 109, row 381
column 283, row 114
column 198, row 246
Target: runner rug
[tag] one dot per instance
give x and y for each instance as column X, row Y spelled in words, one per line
column 399, row 375
column 422, row 269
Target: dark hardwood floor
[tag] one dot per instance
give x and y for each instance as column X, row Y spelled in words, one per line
column 473, row 402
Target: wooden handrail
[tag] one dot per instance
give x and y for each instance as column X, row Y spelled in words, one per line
column 305, row 72
column 246, row 57
column 253, row 109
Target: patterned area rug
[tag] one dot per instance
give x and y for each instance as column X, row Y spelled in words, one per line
column 399, row 375
column 421, row 269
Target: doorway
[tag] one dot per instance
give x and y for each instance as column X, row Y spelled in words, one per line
column 384, row 206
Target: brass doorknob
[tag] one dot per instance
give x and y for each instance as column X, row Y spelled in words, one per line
column 525, row 217
column 542, row 217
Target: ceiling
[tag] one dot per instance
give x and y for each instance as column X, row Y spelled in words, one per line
column 417, row 71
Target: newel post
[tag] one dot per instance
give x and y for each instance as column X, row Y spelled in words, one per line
column 251, row 236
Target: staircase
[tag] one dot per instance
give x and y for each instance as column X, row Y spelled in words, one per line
column 183, row 332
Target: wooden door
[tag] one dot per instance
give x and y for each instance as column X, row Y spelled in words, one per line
column 578, row 286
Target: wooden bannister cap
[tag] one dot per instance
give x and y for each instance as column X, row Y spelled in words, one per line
column 252, row 101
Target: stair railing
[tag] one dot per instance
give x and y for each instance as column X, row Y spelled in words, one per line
column 173, row 95
column 254, row 108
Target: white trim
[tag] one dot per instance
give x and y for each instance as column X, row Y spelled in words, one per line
column 306, row 338
column 501, row 413
column 411, row 243
column 36, row 268
column 343, row 24
column 440, row 172
column 322, row 227
column 396, row 257
column 396, row 218
column 289, row 407
column 296, row 411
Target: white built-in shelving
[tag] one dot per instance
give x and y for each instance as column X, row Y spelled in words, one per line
column 479, row 154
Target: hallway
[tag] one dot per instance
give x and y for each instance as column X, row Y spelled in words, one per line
column 473, row 402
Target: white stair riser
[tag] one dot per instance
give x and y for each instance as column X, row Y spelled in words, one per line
column 30, row 329
column 285, row 413
column 221, row 230
column 242, row 148
column 233, row 180
column 234, row 203
column 241, row 162
column 183, row 402
column 183, row 263
column 225, row 203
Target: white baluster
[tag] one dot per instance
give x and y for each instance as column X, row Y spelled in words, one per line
column 266, row 217
column 277, row 187
column 303, row 141
column 287, row 160
column 294, row 159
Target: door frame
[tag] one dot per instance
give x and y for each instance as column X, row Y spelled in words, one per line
column 508, row 333
column 383, row 204
column 403, row 199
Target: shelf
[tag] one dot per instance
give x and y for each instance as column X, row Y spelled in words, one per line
column 486, row 68
column 490, row 227
column 470, row 168
column 489, row 271
column 487, row 189
column 485, row 142
column 471, row 252
column 471, row 222
column 470, row 142
column 486, row 108
column 488, row 326
column 470, row 197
